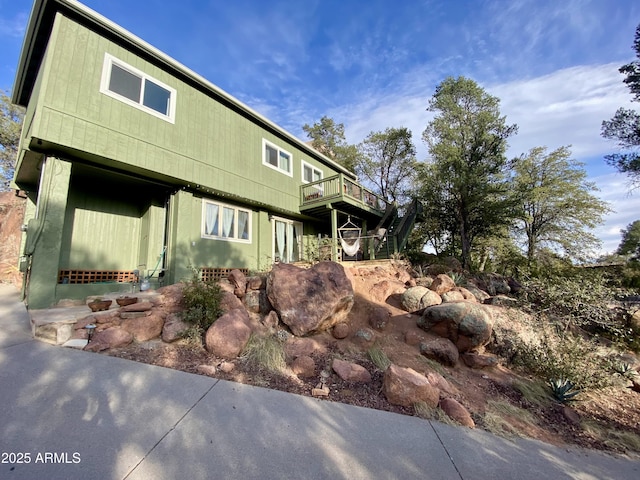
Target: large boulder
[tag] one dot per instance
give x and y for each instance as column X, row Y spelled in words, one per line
column 416, row 299
column 406, row 387
column 228, row 335
column 144, row 328
column 310, row 300
column 468, row 325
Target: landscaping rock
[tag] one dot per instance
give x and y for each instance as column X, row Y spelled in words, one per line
column 379, row 318
column 310, row 300
column 466, row 294
column 365, row 334
column 296, row 347
column 405, row 387
column 239, row 282
column 229, row 301
column 304, row 366
column 476, row 360
column 341, row 330
column 468, row 325
column 441, row 384
column 441, row 350
column 256, row 301
column 173, row 328
column 256, row 283
column 442, row 283
column 206, row 370
column 271, row 320
column 351, row 372
column 416, row 299
column 144, row 328
column 143, row 306
column 110, row 338
column 457, row 412
column 228, row 335
column 452, row 296
column 480, row 295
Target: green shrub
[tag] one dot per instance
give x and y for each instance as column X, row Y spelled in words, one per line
column 563, row 390
column 201, row 303
column 581, row 299
column 563, row 357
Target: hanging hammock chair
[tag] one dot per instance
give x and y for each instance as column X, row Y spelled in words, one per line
column 349, row 234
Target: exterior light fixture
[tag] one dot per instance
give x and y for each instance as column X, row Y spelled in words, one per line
column 90, row 329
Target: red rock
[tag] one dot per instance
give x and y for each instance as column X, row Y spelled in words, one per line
column 144, row 328
column 228, row 335
column 351, row 372
column 304, row 366
column 457, row 412
column 173, row 328
column 441, row 350
column 310, row 300
column 442, row 283
column 405, row 386
column 110, row 338
column 138, row 307
column 206, row 370
column 296, row 347
column 476, row 360
column 341, row 330
column 239, row 282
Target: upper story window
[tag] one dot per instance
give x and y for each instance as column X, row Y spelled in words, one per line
column 136, row 88
column 225, row 222
column 277, row 158
column 310, row 173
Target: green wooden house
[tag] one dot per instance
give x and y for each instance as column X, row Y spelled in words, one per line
column 134, row 166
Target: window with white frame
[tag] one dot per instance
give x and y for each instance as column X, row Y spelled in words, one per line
column 225, row 222
column 136, row 88
column 311, row 174
column 277, row 158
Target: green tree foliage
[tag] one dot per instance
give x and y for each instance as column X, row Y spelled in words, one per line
column 10, row 127
column 630, row 244
column 328, row 138
column 556, row 204
column 624, row 127
column 467, row 140
column 388, row 161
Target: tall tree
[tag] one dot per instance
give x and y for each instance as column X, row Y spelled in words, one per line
column 467, row 140
column 624, row 127
column 10, row 127
column 328, row 138
column 630, row 243
column 556, row 203
column 388, row 161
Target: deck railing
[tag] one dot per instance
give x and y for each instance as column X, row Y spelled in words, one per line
column 339, row 186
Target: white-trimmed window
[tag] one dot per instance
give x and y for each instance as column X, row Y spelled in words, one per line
column 225, row 222
column 277, row 158
column 136, row 88
column 311, row 174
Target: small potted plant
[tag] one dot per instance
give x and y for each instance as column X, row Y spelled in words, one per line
column 99, row 304
column 125, row 300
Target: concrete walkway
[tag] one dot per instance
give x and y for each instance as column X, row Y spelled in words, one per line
column 71, row 414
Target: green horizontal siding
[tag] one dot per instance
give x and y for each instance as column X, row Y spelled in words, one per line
column 209, row 145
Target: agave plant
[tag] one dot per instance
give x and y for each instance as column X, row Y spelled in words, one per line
column 563, row 390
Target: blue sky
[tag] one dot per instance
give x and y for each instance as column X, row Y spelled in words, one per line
column 374, row 64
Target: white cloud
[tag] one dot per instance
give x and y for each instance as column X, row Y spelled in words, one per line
column 565, row 107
